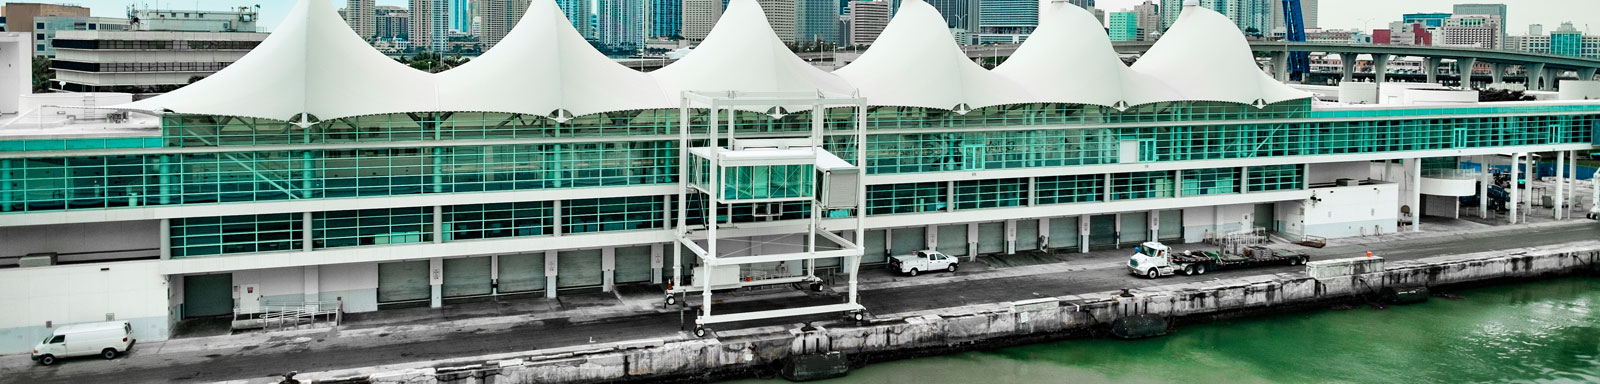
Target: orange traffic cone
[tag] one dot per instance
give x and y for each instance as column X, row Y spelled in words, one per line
column 1369, row 253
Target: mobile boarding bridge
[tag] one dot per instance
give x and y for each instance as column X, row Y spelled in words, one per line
column 771, row 171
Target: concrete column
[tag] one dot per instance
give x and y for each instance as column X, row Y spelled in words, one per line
column 658, row 258
column 1483, row 187
column 972, row 241
column 1464, row 66
column 1280, row 66
column 312, row 282
column 1535, row 72
column 166, row 239
column 1430, row 65
column 1347, row 61
column 1044, row 233
column 436, row 282
column 555, row 218
column 1083, row 233
column 494, row 274
column 1416, row 193
column 1153, row 220
column 1498, row 74
column 1561, row 190
column 550, row 272
column 608, row 268
column 1572, row 173
column 1586, row 74
column 1516, row 193
column 1380, row 67
column 1118, row 226
column 930, row 237
column 305, row 232
column 438, row 224
column 1011, row 237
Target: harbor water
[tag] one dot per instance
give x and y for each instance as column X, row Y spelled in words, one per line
column 1544, row 332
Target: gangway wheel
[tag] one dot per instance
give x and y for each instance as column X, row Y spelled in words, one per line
column 672, row 299
column 858, row 316
column 699, row 331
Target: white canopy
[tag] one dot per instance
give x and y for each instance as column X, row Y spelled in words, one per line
column 312, row 64
column 1205, row 58
column 544, row 65
column 742, row 53
column 1069, row 59
column 915, row 62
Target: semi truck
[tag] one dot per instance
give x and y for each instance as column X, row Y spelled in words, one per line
column 1154, row 259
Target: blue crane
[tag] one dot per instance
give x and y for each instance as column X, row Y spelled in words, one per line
column 1294, row 22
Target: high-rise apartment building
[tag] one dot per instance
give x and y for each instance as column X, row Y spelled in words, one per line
column 391, row 22
column 1496, row 10
column 461, row 16
column 1474, row 31
column 781, row 15
column 1149, row 16
column 699, row 16
column 497, row 17
column 1253, row 17
column 430, row 24
column 1124, row 26
column 867, row 20
column 622, row 25
column 1006, row 21
column 816, row 20
column 360, row 15
column 579, row 13
column 666, row 18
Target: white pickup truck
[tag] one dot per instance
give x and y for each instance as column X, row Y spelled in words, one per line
column 924, row 260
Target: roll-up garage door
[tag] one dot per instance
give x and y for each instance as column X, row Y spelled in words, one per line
column 908, row 240
column 1171, row 230
column 1102, row 231
column 207, row 295
column 1135, row 227
column 633, row 264
column 1264, row 213
column 953, row 240
column 578, row 269
column 403, row 281
column 522, row 273
column 1064, row 232
column 873, row 248
column 466, row 277
column 991, row 238
column 1027, row 235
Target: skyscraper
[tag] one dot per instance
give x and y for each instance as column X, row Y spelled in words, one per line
column 359, row 14
column 1085, row 4
column 391, row 23
column 867, row 20
column 498, row 17
column 1496, row 10
column 666, row 18
column 781, row 15
column 699, row 16
column 578, row 12
column 622, row 25
column 1566, row 40
column 460, row 16
column 1475, row 31
column 1124, row 26
column 816, row 20
column 1006, row 21
column 430, row 24
column 1254, row 17
column 1149, row 14
column 961, row 14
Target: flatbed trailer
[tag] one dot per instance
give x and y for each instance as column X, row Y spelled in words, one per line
column 1162, row 261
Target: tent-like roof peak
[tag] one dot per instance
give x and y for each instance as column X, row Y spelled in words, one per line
column 1205, row 58
column 742, row 53
column 1069, row 59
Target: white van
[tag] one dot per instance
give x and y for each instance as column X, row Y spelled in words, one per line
column 105, row 339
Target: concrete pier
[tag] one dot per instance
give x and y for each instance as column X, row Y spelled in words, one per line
column 742, row 352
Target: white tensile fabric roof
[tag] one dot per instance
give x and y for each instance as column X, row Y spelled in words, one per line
column 1205, row 58
column 313, row 64
column 544, row 65
column 1069, row 59
column 742, row 53
column 915, row 62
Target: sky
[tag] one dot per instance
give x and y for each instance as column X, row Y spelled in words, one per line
column 1333, row 14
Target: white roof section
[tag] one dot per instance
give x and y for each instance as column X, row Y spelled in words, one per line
column 312, row 64
column 1069, row 59
column 915, row 62
column 742, row 53
column 543, row 65
column 1205, row 58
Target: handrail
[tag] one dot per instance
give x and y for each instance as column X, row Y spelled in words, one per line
column 286, row 315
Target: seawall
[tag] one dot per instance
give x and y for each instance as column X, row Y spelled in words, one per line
column 760, row 351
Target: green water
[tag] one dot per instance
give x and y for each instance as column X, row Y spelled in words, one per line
column 1536, row 332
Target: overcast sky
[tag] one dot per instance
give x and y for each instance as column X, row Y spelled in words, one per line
column 1343, row 14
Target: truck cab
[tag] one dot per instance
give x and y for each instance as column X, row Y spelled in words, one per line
column 922, row 261
column 1152, row 260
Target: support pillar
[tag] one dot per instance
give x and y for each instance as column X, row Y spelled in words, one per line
column 972, row 241
column 1586, row 74
column 312, row 281
column 608, row 269
column 550, row 272
column 1083, row 233
column 1464, row 67
column 1572, row 174
column 1484, row 179
column 1415, row 164
column 1280, row 66
column 1535, row 72
column 436, row 282
column 1011, row 237
column 1498, row 74
column 1430, row 66
column 1347, row 63
column 1154, row 223
column 494, row 274
column 1561, row 190
column 658, row 258
column 166, row 238
column 1516, row 193
column 1380, row 68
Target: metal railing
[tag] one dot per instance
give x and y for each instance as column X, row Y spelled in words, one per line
column 281, row 316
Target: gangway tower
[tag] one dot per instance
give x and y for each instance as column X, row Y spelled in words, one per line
column 767, row 169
